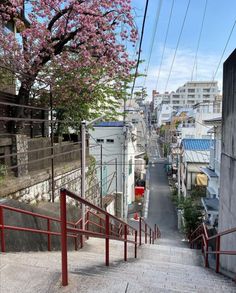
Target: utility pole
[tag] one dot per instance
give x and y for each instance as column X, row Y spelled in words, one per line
column 116, row 184
column 52, row 148
column 178, row 160
column 83, row 168
column 124, row 163
column 101, row 179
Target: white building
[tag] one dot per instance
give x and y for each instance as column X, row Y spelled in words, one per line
column 194, row 92
column 158, row 98
column 111, row 135
column 164, row 113
column 195, row 154
column 211, row 202
column 194, row 125
column 136, row 116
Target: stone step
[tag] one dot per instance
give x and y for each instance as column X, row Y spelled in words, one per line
column 158, row 268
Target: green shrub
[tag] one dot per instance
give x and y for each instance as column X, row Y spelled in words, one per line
column 192, row 211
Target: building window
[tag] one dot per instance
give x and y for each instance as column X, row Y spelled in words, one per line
column 110, row 140
column 130, row 166
column 191, row 90
column 100, row 140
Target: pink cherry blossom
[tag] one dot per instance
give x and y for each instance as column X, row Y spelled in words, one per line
column 69, row 33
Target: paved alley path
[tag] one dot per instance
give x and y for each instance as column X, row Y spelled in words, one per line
column 161, row 209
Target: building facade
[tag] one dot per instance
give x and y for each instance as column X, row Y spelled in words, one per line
column 111, row 136
column 227, row 208
column 194, row 92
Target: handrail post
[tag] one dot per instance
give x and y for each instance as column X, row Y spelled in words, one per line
column 107, row 240
column 153, row 237
column 155, row 230
column 202, row 243
column 63, row 238
column 87, row 220
column 135, row 245
column 150, row 235
column 100, row 224
column 206, row 254
column 140, row 231
column 76, row 241
column 2, row 230
column 218, row 254
column 49, row 236
column 125, row 242
column 145, row 233
column 81, row 236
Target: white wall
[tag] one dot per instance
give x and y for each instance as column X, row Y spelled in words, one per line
column 110, row 151
column 115, row 150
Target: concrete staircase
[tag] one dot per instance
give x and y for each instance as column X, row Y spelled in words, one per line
column 158, row 268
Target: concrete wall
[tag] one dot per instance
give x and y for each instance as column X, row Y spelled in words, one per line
column 37, row 187
column 227, row 214
column 27, row 241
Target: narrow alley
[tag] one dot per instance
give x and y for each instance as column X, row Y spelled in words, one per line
column 161, row 209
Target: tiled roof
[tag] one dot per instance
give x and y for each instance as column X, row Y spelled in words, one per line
column 196, row 144
column 110, row 124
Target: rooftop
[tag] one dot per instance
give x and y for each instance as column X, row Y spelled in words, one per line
column 213, row 121
column 196, row 144
column 110, row 124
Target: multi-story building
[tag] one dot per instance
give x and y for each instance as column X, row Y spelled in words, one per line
column 211, row 201
column 158, row 98
column 194, row 92
column 194, row 126
column 118, row 140
column 164, row 113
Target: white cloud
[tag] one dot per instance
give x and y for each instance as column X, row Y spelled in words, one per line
column 182, row 70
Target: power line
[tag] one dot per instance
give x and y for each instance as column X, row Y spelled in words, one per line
column 163, row 51
column 177, row 45
column 140, row 46
column 199, row 39
column 222, row 55
column 153, row 39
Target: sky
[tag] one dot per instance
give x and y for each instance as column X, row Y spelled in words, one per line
column 220, row 16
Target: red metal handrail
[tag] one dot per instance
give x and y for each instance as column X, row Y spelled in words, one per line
column 107, row 235
column 148, row 231
column 47, row 232
column 201, row 234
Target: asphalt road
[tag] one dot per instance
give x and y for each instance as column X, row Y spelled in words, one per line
column 161, row 209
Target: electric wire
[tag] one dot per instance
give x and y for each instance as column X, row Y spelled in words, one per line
column 225, row 47
column 164, row 48
column 199, row 39
column 140, row 47
column 158, row 12
column 177, row 45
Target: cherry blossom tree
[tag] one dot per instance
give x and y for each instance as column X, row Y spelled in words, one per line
column 70, row 34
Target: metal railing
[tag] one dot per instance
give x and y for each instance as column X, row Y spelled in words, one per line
column 148, row 232
column 48, row 231
column 96, row 223
column 200, row 235
column 109, row 228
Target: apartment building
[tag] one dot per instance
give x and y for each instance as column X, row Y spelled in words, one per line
column 194, row 92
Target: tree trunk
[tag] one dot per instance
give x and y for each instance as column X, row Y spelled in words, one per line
column 21, row 112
